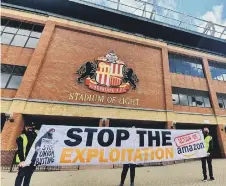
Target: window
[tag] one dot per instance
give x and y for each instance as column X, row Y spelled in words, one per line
column 183, row 99
column 189, row 97
column 175, row 99
column 218, row 70
column 11, row 76
column 221, row 100
column 185, row 65
column 20, row 34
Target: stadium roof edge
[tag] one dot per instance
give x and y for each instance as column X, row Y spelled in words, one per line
column 219, row 47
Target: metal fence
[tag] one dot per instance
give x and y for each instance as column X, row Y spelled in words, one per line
column 153, row 12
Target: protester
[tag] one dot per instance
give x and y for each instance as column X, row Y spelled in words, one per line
column 125, row 170
column 209, row 148
column 24, row 143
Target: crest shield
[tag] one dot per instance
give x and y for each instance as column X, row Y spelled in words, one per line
column 109, row 74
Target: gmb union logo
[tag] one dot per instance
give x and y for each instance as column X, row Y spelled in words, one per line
column 107, row 74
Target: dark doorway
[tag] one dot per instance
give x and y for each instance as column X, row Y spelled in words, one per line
column 213, row 133
column 137, row 124
column 3, row 119
column 60, row 120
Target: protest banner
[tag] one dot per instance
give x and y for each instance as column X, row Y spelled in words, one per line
column 80, row 145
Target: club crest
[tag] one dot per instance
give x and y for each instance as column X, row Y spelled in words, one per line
column 107, row 74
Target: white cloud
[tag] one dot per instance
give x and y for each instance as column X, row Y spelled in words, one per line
column 170, row 4
column 215, row 16
column 136, row 7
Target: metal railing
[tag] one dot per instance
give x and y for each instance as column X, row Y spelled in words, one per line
column 153, row 12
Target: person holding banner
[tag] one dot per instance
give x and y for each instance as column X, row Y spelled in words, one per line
column 24, row 143
column 124, row 173
column 125, row 170
column 209, row 148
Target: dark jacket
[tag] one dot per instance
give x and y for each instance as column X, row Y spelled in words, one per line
column 30, row 137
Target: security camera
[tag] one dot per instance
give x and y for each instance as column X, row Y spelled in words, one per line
column 9, row 117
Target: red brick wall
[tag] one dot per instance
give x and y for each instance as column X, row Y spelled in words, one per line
column 181, row 108
column 8, row 93
column 11, row 131
column 219, row 86
column 190, row 82
column 69, row 49
column 16, row 55
column 7, row 157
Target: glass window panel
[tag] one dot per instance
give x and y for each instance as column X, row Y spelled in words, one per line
column 6, row 68
column 12, row 27
column 224, row 100
column 3, row 21
column 221, row 71
column 175, row 98
column 199, row 66
column 175, row 90
column 172, row 66
column 2, row 27
column 19, row 70
column 199, row 101
column 218, row 74
column 214, row 74
column 37, row 31
column 15, row 82
column 187, row 68
column 224, row 76
column 224, row 70
column 4, row 79
column 193, row 65
column 19, row 40
column 200, row 72
column 32, row 42
column 6, row 38
column 183, row 99
column 194, row 72
column 220, row 78
column 25, row 29
column 221, row 103
column 192, row 101
column 207, row 102
column 180, row 67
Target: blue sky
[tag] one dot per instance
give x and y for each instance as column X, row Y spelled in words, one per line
column 208, row 10
column 199, row 7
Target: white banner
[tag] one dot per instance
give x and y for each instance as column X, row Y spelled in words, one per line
column 73, row 145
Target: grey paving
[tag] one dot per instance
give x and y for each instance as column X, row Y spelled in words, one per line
column 184, row 174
